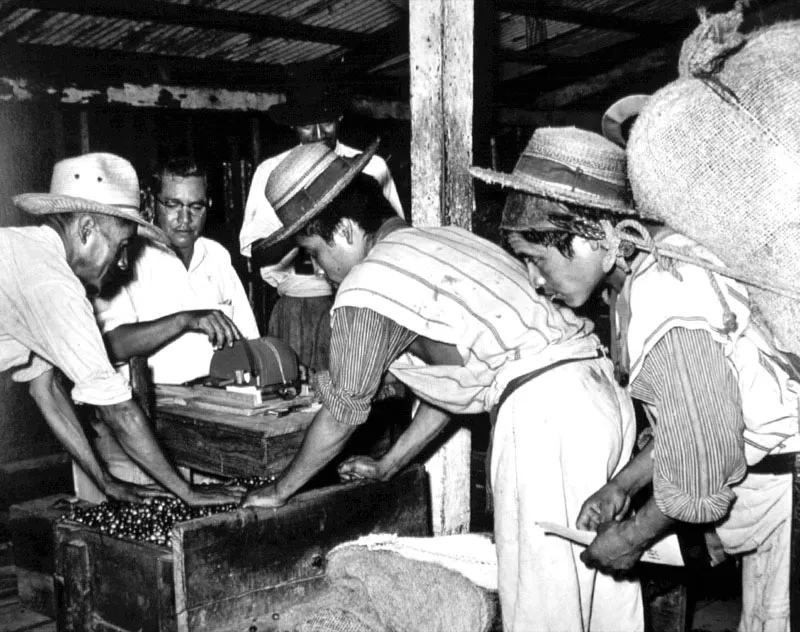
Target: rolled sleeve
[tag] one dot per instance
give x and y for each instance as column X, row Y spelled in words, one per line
column 699, row 447
column 363, row 345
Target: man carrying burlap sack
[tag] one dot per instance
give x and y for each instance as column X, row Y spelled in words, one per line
column 719, row 395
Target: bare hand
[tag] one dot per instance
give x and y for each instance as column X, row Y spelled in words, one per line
column 266, row 496
column 217, row 326
column 362, row 467
column 608, row 503
column 121, row 490
column 611, row 552
column 200, row 495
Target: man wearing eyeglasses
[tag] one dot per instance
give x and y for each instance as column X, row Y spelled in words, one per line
column 178, row 306
column 177, row 309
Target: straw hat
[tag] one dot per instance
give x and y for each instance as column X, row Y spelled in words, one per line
column 620, row 116
column 92, row 183
column 306, row 181
column 311, row 103
column 571, row 165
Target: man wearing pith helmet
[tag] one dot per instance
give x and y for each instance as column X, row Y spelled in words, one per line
column 90, row 216
column 455, row 318
column 720, row 397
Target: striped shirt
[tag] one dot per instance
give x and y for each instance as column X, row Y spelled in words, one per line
column 452, row 287
column 699, row 448
column 722, row 394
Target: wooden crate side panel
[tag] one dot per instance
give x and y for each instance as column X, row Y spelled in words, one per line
column 112, row 584
column 248, row 562
column 226, row 450
column 259, row 608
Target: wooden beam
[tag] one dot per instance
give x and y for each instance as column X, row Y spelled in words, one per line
column 441, row 61
column 518, row 91
column 89, row 67
column 200, row 17
column 652, row 62
column 591, row 19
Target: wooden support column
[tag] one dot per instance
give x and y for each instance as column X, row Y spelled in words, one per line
column 441, row 60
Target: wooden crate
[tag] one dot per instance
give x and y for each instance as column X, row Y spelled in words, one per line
column 230, row 571
column 230, row 445
column 32, row 526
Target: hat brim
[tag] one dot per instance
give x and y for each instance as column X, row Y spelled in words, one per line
column 545, row 188
column 50, row 204
column 356, row 167
column 620, row 112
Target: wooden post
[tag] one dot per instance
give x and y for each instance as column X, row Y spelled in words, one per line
column 441, row 59
column 84, row 123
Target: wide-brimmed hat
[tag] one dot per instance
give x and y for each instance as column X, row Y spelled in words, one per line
column 570, row 165
column 618, row 118
column 312, row 103
column 92, row 183
column 305, row 182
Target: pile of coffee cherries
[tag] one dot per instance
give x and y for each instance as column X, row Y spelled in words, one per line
column 151, row 521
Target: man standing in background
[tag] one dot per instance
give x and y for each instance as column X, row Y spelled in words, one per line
column 301, row 315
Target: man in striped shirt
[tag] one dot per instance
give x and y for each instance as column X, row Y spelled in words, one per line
column 720, row 396
column 455, row 318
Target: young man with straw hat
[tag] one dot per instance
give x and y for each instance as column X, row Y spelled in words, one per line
column 455, row 319
column 301, row 315
column 91, row 215
column 721, row 398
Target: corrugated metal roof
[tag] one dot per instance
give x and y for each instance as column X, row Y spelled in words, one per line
column 66, row 29
column 568, row 41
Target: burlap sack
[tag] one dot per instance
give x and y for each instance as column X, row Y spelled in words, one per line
column 716, row 156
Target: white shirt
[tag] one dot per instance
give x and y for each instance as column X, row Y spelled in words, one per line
column 46, row 319
column 261, row 221
column 162, row 286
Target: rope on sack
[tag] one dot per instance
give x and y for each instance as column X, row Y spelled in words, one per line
column 636, row 234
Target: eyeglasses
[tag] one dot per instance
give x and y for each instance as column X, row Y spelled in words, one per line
column 173, row 206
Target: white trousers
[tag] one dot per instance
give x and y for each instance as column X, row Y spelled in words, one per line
column 759, row 528
column 557, row 440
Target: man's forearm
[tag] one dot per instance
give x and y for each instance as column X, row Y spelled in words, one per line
column 132, row 429
column 59, row 413
column 426, row 425
column 324, row 439
column 638, row 472
column 647, row 525
column 143, row 339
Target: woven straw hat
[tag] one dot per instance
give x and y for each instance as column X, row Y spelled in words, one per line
column 92, row 183
column 570, row 165
column 306, row 181
column 620, row 113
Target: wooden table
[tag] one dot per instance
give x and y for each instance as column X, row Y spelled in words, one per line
column 227, row 444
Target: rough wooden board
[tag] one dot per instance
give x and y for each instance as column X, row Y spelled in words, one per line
column 266, row 409
column 251, row 562
column 225, row 450
column 110, row 582
column 264, row 425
